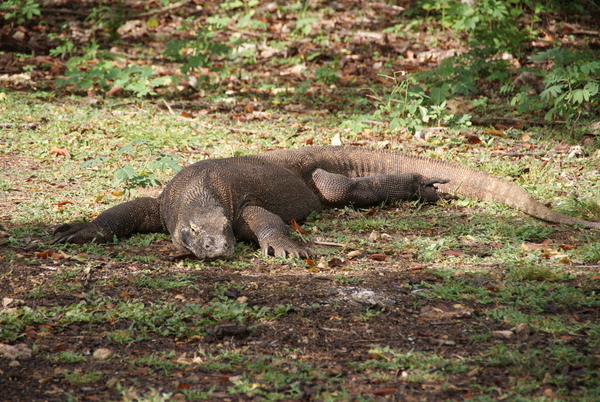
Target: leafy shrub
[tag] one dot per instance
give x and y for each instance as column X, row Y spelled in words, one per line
column 406, row 106
column 571, row 84
column 20, row 10
column 144, row 177
column 196, row 52
column 101, row 69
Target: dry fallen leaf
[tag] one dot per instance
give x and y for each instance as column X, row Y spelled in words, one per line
column 64, row 152
column 297, row 228
column 378, row 257
column 491, row 131
column 473, row 139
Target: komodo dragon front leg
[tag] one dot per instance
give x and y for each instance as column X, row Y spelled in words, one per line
column 338, row 190
column 141, row 215
column 270, row 232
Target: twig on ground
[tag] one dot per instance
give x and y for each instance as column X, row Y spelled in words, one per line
column 170, row 7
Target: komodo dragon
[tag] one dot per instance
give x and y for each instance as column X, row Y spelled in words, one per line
column 212, row 203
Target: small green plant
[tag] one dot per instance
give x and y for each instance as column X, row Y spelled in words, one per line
column 532, row 272
column 369, row 313
column 20, row 10
column 281, row 309
column 198, row 395
column 173, row 282
column 13, row 323
column 69, row 357
column 122, row 337
column 198, row 52
column 345, row 280
column 589, row 252
column 570, row 85
column 102, row 70
column 64, row 50
column 480, row 337
column 327, row 75
column 77, row 377
column 406, row 107
column 145, row 176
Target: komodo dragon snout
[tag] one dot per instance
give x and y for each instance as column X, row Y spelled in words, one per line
column 207, row 233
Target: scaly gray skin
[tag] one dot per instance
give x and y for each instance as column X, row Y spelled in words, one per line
column 211, row 204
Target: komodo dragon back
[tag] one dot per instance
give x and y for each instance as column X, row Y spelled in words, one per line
column 361, row 161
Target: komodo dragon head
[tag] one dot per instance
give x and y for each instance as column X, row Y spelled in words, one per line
column 204, row 231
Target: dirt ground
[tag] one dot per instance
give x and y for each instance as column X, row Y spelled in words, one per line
column 322, row 327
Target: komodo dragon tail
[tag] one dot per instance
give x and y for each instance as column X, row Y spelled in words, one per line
column 465, row 181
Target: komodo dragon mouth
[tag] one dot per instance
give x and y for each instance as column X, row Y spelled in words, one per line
column 211, row 204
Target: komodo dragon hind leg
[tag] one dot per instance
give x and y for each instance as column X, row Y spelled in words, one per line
column 338, row 190
column 270, row 232
column 141, row 215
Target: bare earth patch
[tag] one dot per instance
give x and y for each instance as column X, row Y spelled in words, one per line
column 345, row 321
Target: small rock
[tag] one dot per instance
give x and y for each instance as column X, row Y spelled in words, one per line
column 576, row 151
column 353, row 254
column 522, row 328
column 548, row 393
column 19, row 35
column 374, row 235
column 17, row 351
column 336, row 140
column 179, row 397
column 102, row 354
column 112, row 382
column 194, row 379
column 502, row 334
column 443, row 342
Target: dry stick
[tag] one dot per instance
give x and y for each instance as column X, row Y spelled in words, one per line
column 168, row 107
column 480, row 121
column 163, row 10
column 64, row 11
column 120, row 104
column 328, row 243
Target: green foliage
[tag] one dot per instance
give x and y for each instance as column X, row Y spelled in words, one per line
column 491, row 29
column 77, row 377
column 20, row 10
column 327, row 75
column 14, row 322
column 66, row 48
column 198, row 52
column 100, row 70
column 69, row 357
column 532, row 272
column 406, row 106
column 144, row 177
column 589, row 253
column 571, row 87
column 490, row 24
